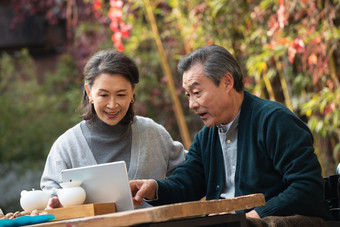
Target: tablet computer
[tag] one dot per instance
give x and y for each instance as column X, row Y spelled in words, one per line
column 103, row 183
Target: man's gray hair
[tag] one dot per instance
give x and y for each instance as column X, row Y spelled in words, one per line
column 216, row 62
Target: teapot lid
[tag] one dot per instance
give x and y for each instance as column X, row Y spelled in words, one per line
column 71, row 184
column 33, row 190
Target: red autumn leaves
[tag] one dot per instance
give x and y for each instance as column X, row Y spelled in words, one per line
column 118, row 27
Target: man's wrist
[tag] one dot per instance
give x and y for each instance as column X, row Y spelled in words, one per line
column 156, row 194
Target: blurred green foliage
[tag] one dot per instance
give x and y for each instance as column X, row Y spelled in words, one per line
column 33, row 115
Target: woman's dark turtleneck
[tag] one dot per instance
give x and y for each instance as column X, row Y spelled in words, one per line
column 108, row 143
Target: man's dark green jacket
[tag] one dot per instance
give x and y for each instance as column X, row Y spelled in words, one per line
column 275, row 156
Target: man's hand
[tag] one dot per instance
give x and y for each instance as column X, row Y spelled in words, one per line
column 252, row 214
column 143, row 189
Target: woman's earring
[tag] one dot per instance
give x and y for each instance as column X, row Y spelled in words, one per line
column 91, row 101
column 132, row 100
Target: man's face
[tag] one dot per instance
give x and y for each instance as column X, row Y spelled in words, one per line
column 208, row 101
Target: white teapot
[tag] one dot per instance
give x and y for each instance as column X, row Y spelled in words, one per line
column 71, row 193
column 34, row 200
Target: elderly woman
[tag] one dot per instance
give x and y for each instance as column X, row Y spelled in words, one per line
column 110, row 131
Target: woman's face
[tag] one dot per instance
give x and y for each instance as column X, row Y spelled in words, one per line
column 111, row 95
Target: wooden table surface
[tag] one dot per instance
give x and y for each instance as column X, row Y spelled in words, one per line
column 164, row 213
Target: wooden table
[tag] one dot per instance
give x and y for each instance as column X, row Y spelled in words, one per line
column 181, row 214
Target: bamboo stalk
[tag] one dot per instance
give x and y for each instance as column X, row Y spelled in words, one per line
column 333, row 70
column 284, row 85
column 268, row 84
column 178, row 109
column 269, row 87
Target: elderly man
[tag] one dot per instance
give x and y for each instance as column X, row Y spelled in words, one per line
column 248, row 145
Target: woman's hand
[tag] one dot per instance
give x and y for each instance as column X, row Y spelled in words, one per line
column 53, row 203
